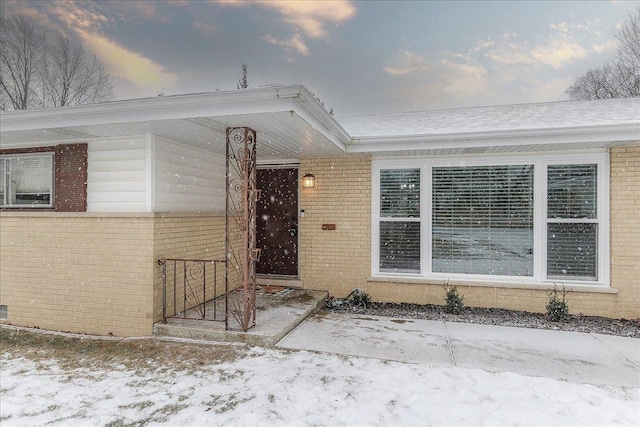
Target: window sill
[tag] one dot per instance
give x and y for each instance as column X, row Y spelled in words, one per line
column 571, row 287
column 25, row 207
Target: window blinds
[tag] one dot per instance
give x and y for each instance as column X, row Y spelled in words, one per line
column 29, row 179
column 572, row 229
column 400, row 220
column 400, row 193
column 483, row 220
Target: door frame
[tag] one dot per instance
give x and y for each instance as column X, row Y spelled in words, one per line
column 285, row 164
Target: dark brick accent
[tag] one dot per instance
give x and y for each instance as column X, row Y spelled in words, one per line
column 70, row 176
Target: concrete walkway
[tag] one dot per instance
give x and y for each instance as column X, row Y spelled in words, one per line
column 572, row 356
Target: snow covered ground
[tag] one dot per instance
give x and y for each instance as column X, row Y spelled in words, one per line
column 275, row 387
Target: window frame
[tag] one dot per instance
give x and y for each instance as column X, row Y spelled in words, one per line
column 540, row 164
column 415, row 219
column 6, row 160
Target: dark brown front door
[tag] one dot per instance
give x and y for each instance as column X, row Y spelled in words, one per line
column 277, row 221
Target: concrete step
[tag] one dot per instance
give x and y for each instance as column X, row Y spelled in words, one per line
column 276, row 316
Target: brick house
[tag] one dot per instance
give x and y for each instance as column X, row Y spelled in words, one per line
column 505, row 202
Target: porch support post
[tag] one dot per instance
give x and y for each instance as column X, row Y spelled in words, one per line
column 240, row 235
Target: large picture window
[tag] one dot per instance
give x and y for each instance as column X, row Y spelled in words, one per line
column 482, row 220
column 521, row 219
column 27, row 180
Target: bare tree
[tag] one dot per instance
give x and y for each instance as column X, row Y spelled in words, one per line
column 619, row 78
column 22, row 59
column 73, row 77
column 628, row 56
column 34, row 73
column 243, row 83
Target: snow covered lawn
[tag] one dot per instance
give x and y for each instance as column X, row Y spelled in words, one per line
column 63, row 381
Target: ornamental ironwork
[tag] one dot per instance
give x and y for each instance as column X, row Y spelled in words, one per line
column 241, row 251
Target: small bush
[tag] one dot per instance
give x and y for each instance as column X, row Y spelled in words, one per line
column 362, row 299
column 557, row 306
column 453, row 301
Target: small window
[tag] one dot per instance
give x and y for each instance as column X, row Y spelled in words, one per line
column 400, row 220
column 572, row 222
column 27, row 180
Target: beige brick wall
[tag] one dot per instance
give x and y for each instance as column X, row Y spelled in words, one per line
column 625, row 229
column 188, row 236
column 77, row 272
column 93, row 273
column 98, row 274
column 340, row 260
column 337, row 260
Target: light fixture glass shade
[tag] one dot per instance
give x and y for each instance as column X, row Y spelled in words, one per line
column 308, row 181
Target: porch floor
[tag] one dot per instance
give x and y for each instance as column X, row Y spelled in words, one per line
column 276, row 315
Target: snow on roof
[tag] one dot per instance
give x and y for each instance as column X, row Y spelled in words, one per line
column 518, row 117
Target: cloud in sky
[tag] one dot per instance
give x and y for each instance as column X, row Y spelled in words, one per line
column 293, row 44
column 127, row 64
column 360, row 56
column 121, row 61
column 308, row 18
column 149, row 10
column 311, row 16
column 406, row 62
column 498, row 68
column 556, row 50
column 464, row 79
column 507, row 49
column 38, row 17
column 205, row 28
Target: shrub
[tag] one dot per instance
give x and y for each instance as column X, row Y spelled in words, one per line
column 362, row 299
column 557, row 306
column 453, row 301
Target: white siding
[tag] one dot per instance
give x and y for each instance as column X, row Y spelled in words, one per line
column 117, row 175
column 188, row 179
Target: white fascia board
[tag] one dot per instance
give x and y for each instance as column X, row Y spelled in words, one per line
column 604, row 134
column 311, row 111
column 293, row 99
column 216, row 104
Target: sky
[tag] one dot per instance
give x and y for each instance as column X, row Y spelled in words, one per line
column 357, row 57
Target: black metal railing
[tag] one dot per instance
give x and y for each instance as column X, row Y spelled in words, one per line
column 193, row 289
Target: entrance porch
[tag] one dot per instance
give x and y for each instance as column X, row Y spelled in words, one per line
column 279, row 310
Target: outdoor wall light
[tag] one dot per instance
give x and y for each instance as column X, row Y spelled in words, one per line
column 308, row 181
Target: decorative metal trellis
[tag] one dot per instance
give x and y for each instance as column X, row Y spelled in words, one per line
column 241, row 251
column 190, row 289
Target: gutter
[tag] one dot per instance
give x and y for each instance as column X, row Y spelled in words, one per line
column 628, row 132
column 246, row 101
column 295, row 99
column 314, row 113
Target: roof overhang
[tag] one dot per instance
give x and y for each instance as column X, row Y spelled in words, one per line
column 292, row 124
column 289, row 120
column 576, row 138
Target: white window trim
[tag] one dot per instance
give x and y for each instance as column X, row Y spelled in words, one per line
column 540, row 162
column 376, row 224
column 7, row 190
